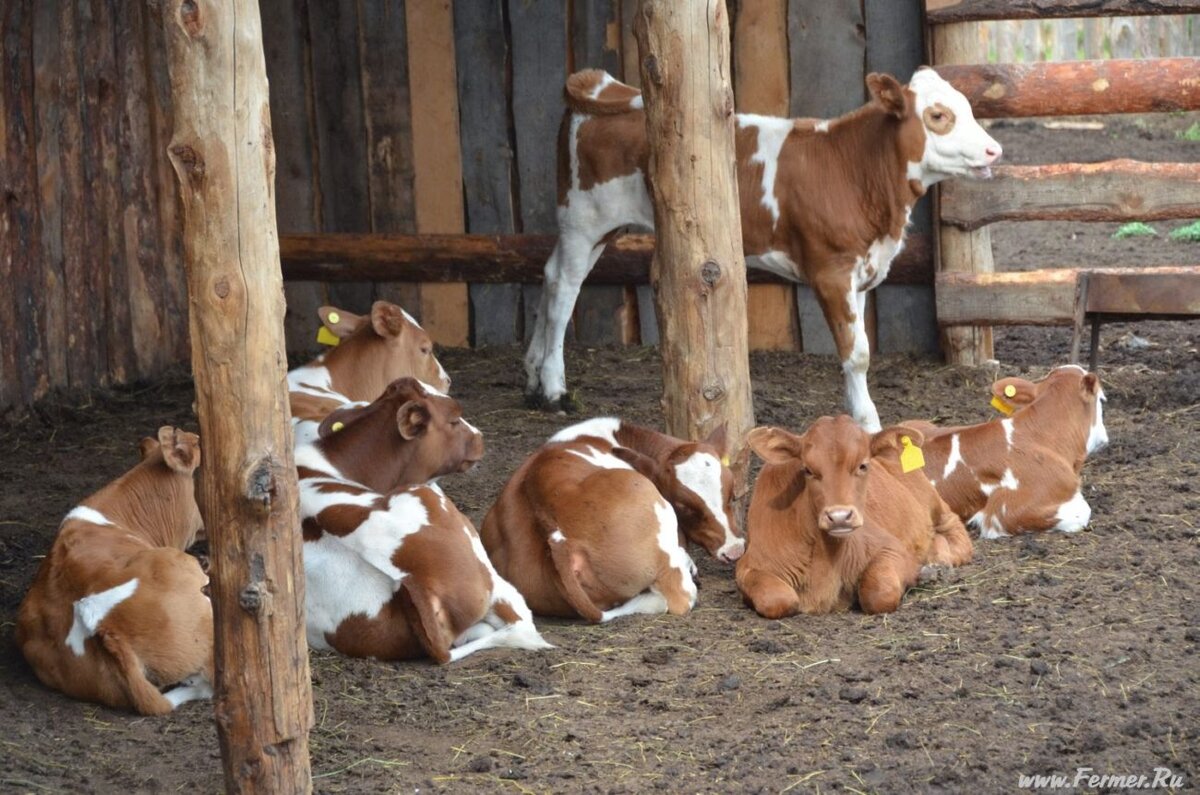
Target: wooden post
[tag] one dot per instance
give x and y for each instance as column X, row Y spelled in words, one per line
column 223, row 155
column 961, row 251
column 698, row 271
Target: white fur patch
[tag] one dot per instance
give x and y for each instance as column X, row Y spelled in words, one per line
column 193, row 688
column 1007, row 425
column 961, row 150
column 668, row 542
column 599, row 459
column 337, row 585
column 700, row 473
column 822, row 126
column 637, row 103
column 433, row 390
column 606, row 80
column 558, row 537
column 776, row 262
column 649, row 602
column 91, row 610
column 955, row 458
column 1098, row 434
column 83, row 513
column 772, row 132
column 601, row 427
column 1073, row 515
column 382, row 532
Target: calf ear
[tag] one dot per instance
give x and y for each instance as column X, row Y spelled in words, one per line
column 181, row 450
column 775, row 445
column 717, row 438
column 889, row 440
column 1091, row 384
column 887, row 91
column 339, row 419
column 1015, row 391
column 339, row 322
column 387, row 319
column 413, row 419
column 147, row 447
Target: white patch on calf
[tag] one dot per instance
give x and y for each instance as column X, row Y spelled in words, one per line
column 700, row 473
column 822, row 126
column 191, row 689
column 383, row 532
column 668, row 542
column 601, row 427
column 338, row 584
column 91, row 610
column 959, row 152
column 772, row 132
column 83, row 513
column 955, row 458
column 776, row 262
column 1098, row 434
column 606, row 80
column 1007, row 425
column 649, row 602
column 557, row 537
column 637, row 103
column 1009, row 481
column 433, row 390
column 854, row 369
column 599, row 459
column 1073, row 515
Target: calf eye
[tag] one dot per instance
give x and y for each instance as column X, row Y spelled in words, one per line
column 456, row 421
column 938, row 115
column 862, row 468
column 426, row 351
column 808, row 473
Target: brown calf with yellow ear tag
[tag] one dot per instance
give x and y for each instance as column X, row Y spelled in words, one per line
column 1010, row 394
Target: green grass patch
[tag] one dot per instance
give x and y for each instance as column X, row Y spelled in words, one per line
column 1135, row 229
column 1191, row 133
column 1187, row 234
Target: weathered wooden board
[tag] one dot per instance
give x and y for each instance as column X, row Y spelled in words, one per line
column 341, row 150
column 481, row 47
column 47, row 90
column 906, row 319
column 941, row 12
column 292, row 124
column 1029, row 298
column 387, row 117
column 1076, row 88
column 437, row 158
column 1173, row 291
column 1117, row 190
column 827, row 44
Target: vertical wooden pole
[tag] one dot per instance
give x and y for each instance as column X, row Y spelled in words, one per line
column 437, row 157
column 959, row 251
column 760, row 71
column 698, row 271
column 224, row 158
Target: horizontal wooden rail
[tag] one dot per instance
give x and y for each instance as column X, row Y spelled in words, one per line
column 1076, row 88
column 1118, row 190
column 941, row 12
column 503, row 258
column 1047, row 297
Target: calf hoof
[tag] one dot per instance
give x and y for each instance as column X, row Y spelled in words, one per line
column 565, row 404
column 930, row 574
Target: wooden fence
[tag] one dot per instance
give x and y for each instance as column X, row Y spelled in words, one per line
column 1029, row 40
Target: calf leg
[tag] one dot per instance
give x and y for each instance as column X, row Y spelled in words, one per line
column 844, row 307
column 770, row 596
column 883, row 584
column 951, row 543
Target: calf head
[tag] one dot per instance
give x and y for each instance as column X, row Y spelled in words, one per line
column 835, row 456
column 694, row 478
column 1072, row 397
column 408, row 435
column 166, row 487
column 378, row 348
column 935, row 112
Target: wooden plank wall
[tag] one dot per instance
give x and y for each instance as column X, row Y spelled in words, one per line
column 388, row 116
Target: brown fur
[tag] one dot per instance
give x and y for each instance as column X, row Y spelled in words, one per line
column 835, row 477
column 161, row 634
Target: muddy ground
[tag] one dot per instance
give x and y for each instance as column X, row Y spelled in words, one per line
column 1043, row 655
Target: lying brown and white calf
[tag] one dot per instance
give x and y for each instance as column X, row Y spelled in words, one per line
column 392, row 569
column 371, row 351
column 590, row 525
column 1021, row 474
column 116, row 610
column 835, row 520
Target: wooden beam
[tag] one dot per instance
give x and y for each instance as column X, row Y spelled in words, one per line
column 941, row 12
column 698, row 269
column 760, row 75
column 1047, row 297
column 224, row 159
column 1119, row 190
column 959, row 250
column 437, row 157
column 493, row 259
column 1075, row 88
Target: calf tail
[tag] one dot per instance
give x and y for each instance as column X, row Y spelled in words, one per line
column 567, row 562
column 428, row 619
column 597, row 93
column 143, row 695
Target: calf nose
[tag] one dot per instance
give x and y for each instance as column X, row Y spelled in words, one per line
column 993, row 153
column 839, row 516
column 731, row 552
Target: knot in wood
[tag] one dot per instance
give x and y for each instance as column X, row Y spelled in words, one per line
column 189, row 17
column 710, row 271
column 260, row 486
column 221, row 288
column 652, row 69
column 189, row 162
column 713, row 392
column 253, row 597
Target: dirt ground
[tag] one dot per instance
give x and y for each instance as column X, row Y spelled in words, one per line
column 1043, row 655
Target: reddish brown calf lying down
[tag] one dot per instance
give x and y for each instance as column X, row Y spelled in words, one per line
column 834, row 521
column 590, row 524
column 372, row 351
column 116, row 610
column 392, row 569
column 1021, row 474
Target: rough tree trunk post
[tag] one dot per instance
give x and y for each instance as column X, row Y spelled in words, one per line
column 960, row 251
column 698, row 271
column 224, row 158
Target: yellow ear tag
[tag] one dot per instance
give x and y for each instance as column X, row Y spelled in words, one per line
column 724, row 460
column 1010, row 391
column 327, row 337
column 337, row 426
column 911, row 456
column 1001, row 406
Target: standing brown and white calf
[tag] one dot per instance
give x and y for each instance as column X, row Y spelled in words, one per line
column 835, row 521
column 372, row 351
column 826, row 200
column 590, row 525
column 116, row 610
column 392, row 569
column 1021, row 474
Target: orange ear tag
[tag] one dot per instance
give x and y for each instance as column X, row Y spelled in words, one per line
column 327, row 337
column 1001, row 406
column 911, row 456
